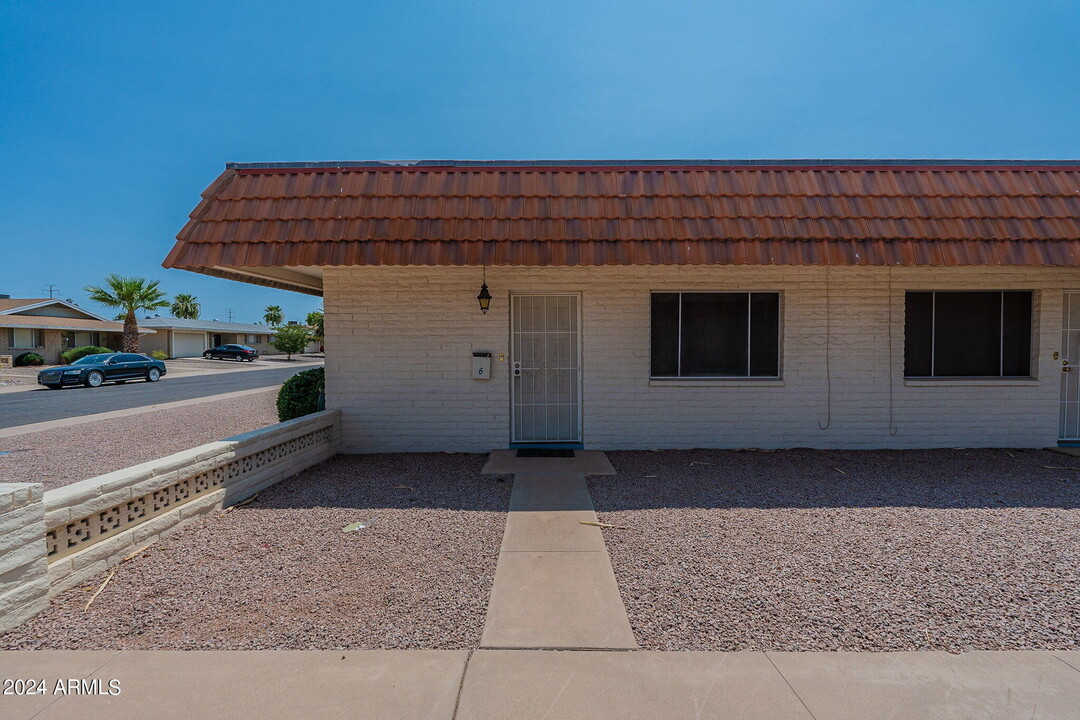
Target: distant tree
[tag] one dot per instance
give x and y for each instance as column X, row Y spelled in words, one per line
column 186, row 307
column 130, row 295
column 291, row 339
column 119, row 317
column 315, row 322
column 274, row 315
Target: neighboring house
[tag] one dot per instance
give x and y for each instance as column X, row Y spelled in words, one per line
column 673, row 304
column 178, row 337
column 50, row 326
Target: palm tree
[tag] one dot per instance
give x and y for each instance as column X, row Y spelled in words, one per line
column 315, row 322
column 274, row 315
column 186, row 307
column 130, row 295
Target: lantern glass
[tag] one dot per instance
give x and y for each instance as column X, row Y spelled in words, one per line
column 484, row 298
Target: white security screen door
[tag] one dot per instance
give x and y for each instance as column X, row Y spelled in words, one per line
column 1069, row 417
column 545, row 355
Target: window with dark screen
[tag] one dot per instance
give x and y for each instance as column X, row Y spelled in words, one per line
column 967, row 334
column 704, row 334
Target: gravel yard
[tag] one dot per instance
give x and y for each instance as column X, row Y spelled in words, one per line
column 65, row 455
column 12, row 376
column 846, row 550
column 280, row 574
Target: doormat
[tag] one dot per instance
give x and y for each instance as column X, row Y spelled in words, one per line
column 544, row 452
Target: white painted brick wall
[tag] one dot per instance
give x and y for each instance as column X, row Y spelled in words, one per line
column 400, row 341
column 24, row 582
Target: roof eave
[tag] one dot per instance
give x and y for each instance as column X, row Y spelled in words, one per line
column 142, row 330
column 263, row 277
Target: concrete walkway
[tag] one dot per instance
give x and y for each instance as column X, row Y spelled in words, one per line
column 554, row 585
column 238, row 685
column 526, row 684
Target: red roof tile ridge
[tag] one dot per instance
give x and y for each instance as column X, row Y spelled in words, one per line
column 670, row 164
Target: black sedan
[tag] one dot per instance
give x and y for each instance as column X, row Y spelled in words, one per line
column 232, row 352
column 93, row 370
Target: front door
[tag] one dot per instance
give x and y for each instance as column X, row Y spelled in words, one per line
column 545, row 356
column 1069, row 412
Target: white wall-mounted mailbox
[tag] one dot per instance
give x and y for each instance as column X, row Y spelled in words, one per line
column 481, row 365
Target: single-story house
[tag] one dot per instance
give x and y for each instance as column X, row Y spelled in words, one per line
column 48, row 326
column 672, row 304
column 180, row 337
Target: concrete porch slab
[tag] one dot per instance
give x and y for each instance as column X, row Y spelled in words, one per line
column 839, row 686
column 550, row 491
column 506, row 462
column 565, row 684
column 263, row 684
column 556, row 600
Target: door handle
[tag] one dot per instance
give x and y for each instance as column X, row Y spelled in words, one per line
column 517, row 369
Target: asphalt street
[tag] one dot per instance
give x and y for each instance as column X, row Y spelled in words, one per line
column 42, row 405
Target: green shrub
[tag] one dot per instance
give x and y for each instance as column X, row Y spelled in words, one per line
column 69, row 356
column 291, row 339
column 29, row 358
column 159, row 355
column 302, row 394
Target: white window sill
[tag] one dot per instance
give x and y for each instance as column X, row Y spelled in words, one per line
column 716, row 382
column 971, row 382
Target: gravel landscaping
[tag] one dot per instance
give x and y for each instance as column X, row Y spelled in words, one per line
column 846, row 550
column 12, row 376
column 64, row 455
column 280, row 573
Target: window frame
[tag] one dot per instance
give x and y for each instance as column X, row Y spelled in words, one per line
column 932, row 378
column 679, row 379
column 71, row 339
column 37, row 339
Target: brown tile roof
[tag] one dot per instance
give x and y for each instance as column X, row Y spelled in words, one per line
column 861, row 213
column 12, row 303
column 48, row 322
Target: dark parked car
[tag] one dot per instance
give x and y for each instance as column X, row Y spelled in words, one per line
column 232, row 352
column 93, row 370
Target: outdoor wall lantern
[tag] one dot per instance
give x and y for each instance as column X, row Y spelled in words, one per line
column 484, row 298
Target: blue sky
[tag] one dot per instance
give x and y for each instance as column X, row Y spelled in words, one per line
column 114, row 116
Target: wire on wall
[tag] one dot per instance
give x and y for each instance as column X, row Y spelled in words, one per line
column 828, row 370
column 892, row 361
